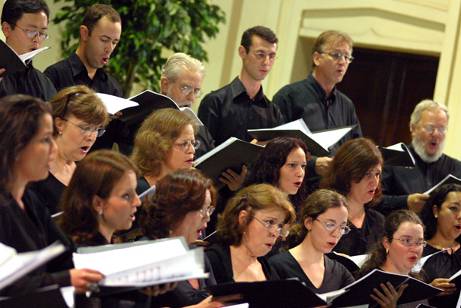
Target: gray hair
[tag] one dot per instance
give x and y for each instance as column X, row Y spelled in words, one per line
column 179, row 62
column 425, row 104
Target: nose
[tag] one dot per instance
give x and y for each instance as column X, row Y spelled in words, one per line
column 136, row 201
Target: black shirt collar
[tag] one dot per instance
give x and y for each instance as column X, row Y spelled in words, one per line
column 320, row 91
column 79, row 68
column 237, row 89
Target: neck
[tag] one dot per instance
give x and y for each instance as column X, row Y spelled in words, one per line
column 81, row 55
column 391, row 268
column 251, row 86
column 307, row 253
column 106, row 232
column 243, row 254
column 356, row 209
column 17, row 190
column 152, row 180
column 440, row 241
column 326, row 86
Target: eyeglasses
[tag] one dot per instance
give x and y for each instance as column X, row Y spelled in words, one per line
column 87, row 129
column 207, row 211
column 338, row 56
column 331, row 226
column 187, row 90
column 431, row 129
column 262, row 56
column 34, row 33
column 272, row 226
column 409, row 241
column 184, row 146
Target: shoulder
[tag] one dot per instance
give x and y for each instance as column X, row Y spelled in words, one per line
column 217, row 251
column 374, row 215
column 216, row 96
column 292, row 88
column 57, row 67
column 281, row 258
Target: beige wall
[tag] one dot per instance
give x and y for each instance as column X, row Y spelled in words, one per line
column 418, row 26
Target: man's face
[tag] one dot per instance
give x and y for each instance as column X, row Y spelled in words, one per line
column 185, row 89
column 428, row 135
column 101, row 42
column 258, row 61
column 28, row 33
column 332, row 63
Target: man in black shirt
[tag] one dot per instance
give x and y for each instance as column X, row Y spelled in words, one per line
column 25, row 25
column 316, row 99
column 241, row 105
column 99, row 35
column 405, row 187
column 181, row 80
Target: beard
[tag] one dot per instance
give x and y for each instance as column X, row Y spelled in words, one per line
column 420, row 149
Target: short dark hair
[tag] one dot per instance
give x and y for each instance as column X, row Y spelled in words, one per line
column 350, row 164
column 177, row 194
column 98, row 11
column 436, row 198
column 266, row 169
column 20, row 117
column 261, row 31
column 14, row 9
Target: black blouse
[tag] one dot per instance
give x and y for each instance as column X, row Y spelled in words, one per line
column 336, row 276
column 442, row 265
column 221, row 263
column 28, row 230
column 359, row 240
column 49, row 191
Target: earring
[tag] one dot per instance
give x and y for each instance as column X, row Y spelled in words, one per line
column 60, row 133
column 387, row 251
column 435, row 215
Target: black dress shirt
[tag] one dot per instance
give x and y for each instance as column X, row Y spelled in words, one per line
column 359, row 240
column 49, row 191
column 399, row 182
column 335, row 277
column 221, row 263
column 229, row 112
column 306, row 99
column 28, row 230
column 31, row 82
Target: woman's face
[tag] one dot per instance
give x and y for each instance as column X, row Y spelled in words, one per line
column 292, row 172
column 182, row 152
column 75, row 137
column 405, row 248
column 262, row 232
column 117, row 212
column 195, row 222
column 363, row 191
column 449, row 216
column 326, row 230
column 33, row 161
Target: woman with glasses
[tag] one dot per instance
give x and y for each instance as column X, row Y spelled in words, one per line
column 397, row 252
column 323, row 221
column 181, row 206
column 247, row 230
column 79, row 118
column 355, row 172
column 164, row 143
column 442, row 217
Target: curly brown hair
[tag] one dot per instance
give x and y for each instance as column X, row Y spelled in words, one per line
column 155, row 138
column 350, row 164
column 251, row 199
column 95, row 175
column 177, row 194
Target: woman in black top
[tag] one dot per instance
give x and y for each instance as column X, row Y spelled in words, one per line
column 247, row 230
column 79, row 118
column 442, row 217
column 355, row 172
column 181, row 206
column 323, row 221
column 26, row 129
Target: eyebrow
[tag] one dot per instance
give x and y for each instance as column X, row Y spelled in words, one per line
column 108, row 37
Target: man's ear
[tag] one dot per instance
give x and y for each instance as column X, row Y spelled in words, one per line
column 242, row 52
column 164, row 83
column 6, row 29
column 316, row 58
column 84, row 33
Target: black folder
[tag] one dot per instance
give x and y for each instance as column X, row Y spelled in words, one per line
column 10, row 60
column 290, row 293
column 49, row 296
column 231, row 154
column 393, row 157
column 358, row 293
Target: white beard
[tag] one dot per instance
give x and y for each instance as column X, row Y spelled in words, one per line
column 421, row 151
